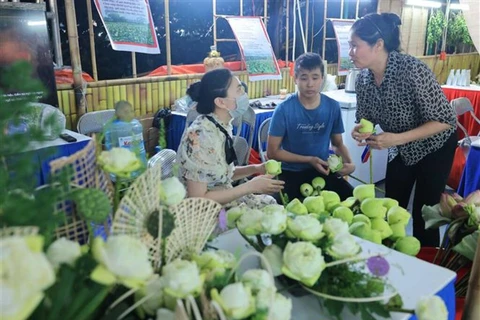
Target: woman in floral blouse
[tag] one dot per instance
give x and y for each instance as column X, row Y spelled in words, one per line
column 401, row 94
column 206, row 155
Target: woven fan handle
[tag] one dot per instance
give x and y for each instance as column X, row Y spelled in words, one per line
column 191, row 304
column 219, row 310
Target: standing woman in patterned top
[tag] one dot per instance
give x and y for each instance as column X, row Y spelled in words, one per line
column 401, row 94
column 206, row 155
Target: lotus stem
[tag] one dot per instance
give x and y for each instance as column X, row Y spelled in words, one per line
column 346, row 299
column 128, row 294
column 353, row 259
column 135, row 305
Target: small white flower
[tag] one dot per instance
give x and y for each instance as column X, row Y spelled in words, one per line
column 334, row 227
column 182, row 278
column 257, row 279
column 172, row 191
column 431, row 308
column 343, row 246
column 63, row 251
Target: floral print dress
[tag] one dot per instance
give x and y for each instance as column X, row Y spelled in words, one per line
column 201, row 158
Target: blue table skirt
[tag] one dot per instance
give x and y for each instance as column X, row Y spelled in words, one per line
column 471, row 173
column 177, row 126
column 448, row 296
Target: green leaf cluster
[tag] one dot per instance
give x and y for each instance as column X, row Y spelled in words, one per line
column 435, row 27
column 457, row 31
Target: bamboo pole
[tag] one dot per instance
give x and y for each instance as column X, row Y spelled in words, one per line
column 324, row 28
column 75, row 57
column 287, row 35
column 241, row 8
column 306, row 20
column 214, row 10
column 342, row 3
column 356, row 9
column 134, row 63
column 265, row 12
column 91, row 34
column 167, row 36
column 472, row 300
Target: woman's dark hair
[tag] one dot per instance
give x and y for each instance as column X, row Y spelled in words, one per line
column 309, row 61
column 214, row 84
column 374, row 26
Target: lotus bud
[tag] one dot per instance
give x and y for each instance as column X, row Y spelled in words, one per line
column 374, row 236
column 458, row 211
column 457, row 197
column 473, row 198
column 389, row 202
column 335, row 163
column 364, row 191
column 330, row 198
column 367, row 126
column 314, row 204
column 296, row 207
column 273, row 167
column 344, row 214
column 360, row 229
column 373, row 208
column 233, row 214
column 318, row 183
column 361, row 218
column 349, row 202
column 447, row 202
column 382, row 226
column 306, row 189
column 398, row 231
column 398, row 214
column 408, row 245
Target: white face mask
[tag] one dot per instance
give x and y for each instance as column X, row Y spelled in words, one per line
column 242, row 103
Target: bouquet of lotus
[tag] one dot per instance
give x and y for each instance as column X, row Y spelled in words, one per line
column 457, row 250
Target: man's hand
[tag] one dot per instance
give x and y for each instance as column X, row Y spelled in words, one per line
column 320, row 165
column 347, row 169
column 383, row 140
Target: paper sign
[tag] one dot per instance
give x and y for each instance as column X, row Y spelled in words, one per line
column 129, row 25
column 342, row 31
column 255, row 47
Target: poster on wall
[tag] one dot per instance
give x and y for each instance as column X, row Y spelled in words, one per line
column 342, row 31
column 24, row 36
column 255, row 47
column 129, row 25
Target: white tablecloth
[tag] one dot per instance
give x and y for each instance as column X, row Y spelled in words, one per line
column 413, row 278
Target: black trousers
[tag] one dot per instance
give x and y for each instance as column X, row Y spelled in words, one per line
column 333, row 182
column 430, row 175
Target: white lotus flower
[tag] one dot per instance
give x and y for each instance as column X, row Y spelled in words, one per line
column 233, row 214
column 343, row 246
column 236, row 300
column 119, row 161
column 172, row 191
column 280, row 309
column 257, row 279
column 63, row 251
column 121, row 259
column 303, row 261
column 25, row 273
column 274, row 255
column 305, row 227
column 334, row 227
column 431, row 308
column 274, row 219
column 250, row 223
column 154, row 290
column 335, row 163
column 165, row 314
column 182, row 278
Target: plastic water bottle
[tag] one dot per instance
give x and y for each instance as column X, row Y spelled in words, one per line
column 126, row 135
column 450, row 78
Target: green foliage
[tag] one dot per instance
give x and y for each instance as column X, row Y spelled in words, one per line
column 436, row 24
column 457, row 31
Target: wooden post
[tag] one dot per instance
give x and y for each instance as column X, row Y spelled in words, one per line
column 91, row 34
column 472, row 301
column 167, row 36
column 287, row 36
column 75, row 57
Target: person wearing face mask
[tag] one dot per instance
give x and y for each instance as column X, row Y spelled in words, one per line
column 206, row 155
column 302, row 129
column 402, row 95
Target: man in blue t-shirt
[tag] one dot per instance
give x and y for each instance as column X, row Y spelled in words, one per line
column 301, row 130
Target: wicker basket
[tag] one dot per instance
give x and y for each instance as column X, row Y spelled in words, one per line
column 86, row 174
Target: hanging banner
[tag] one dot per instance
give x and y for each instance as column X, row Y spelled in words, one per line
column 342, row 31
column 129, row 25
column 255, row 47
